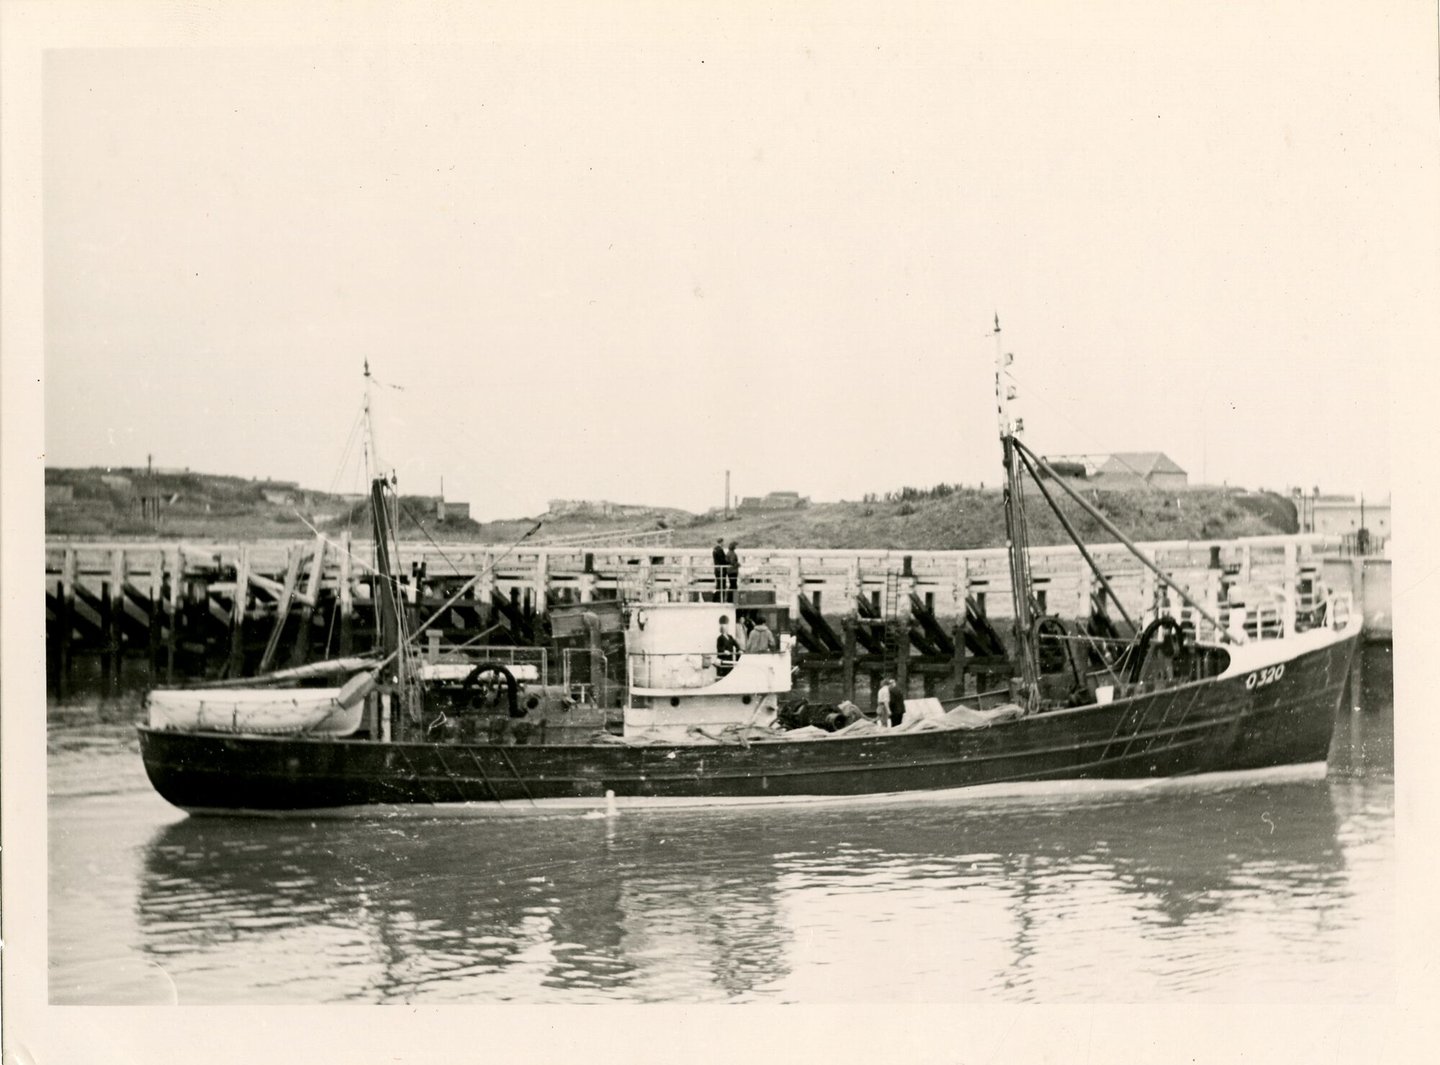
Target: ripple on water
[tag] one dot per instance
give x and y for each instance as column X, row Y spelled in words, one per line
column 1276, row 889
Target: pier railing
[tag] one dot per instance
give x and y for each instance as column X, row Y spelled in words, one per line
column 191, row 609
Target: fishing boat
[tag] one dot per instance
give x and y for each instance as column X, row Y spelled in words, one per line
column 1190, row 692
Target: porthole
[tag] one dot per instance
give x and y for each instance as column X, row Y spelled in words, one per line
column 746, row 699
column 674, row 700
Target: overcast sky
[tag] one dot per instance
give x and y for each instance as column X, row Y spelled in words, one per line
column 611, row 257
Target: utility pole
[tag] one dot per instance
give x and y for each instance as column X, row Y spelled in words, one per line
column 727, row 495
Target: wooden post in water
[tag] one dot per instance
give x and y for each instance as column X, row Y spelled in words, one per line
column 66, row 622
column 115, row 632
column 847, row 629
column 176, row 574
column 156, row 632
column 346, row 596
column 1357, row 660
column 237, row 613
column 58, row 656
column 902, row 652
column 596, row 656
column 542, row 561
column 587, row 578
column 1357, row 678
column 957, row 669
column 282, row 608
column 687, row 580
column 107, row 651
column 300, row 654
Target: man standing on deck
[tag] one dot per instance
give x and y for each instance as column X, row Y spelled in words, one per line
column 891, row 704
column 761, row 640
column 727, row 649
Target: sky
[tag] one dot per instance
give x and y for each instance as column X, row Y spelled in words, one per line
column 613, row 251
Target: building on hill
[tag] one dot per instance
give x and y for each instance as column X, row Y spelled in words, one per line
column 595, row 508
column 1340, row 515
column 439, row 508
column 774, row 501
column 1134, row 469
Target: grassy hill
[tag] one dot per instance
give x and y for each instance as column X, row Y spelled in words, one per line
column 106, row 503
column 973, row 518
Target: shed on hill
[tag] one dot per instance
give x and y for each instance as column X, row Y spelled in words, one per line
column 774, row 501
column 1123, row 469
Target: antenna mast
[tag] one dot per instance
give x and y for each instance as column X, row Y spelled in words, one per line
column 372, row 443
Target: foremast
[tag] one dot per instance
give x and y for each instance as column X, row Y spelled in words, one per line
column 1017, row 538
column 1018, row 459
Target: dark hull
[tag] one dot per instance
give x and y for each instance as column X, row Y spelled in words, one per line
column 1209, row 726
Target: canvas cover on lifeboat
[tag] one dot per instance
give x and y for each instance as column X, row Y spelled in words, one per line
column 263, row 711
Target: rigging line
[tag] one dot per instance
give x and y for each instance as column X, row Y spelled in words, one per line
column 1114, row 531
column 406, row 511
column 345, row 454
column 455, row 598
column 1075, row 536
column 335, row 544
column 1038, row 394
column 475, row 639
column 330, row 630
column 1099, row 652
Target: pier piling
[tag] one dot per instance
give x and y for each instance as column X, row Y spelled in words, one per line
column 918, row 615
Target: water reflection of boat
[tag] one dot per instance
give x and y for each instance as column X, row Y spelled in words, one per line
column 1189, row 694
column 685, row 906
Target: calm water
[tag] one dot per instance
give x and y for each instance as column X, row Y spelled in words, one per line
column 1259, row 888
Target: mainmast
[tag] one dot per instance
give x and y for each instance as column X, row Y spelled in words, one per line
column 1017, row 540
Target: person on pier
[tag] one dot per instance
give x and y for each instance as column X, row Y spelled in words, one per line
column 732, row 573
column 722, row 569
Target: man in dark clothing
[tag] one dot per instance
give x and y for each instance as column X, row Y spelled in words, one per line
column 717, row 553
column 732, row 572
column 727, row 649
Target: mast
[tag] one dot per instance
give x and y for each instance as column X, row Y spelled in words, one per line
column 1017, row 541
column 389, row 610
column 371, row 442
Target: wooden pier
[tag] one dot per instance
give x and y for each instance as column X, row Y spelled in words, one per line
column 182, row 610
